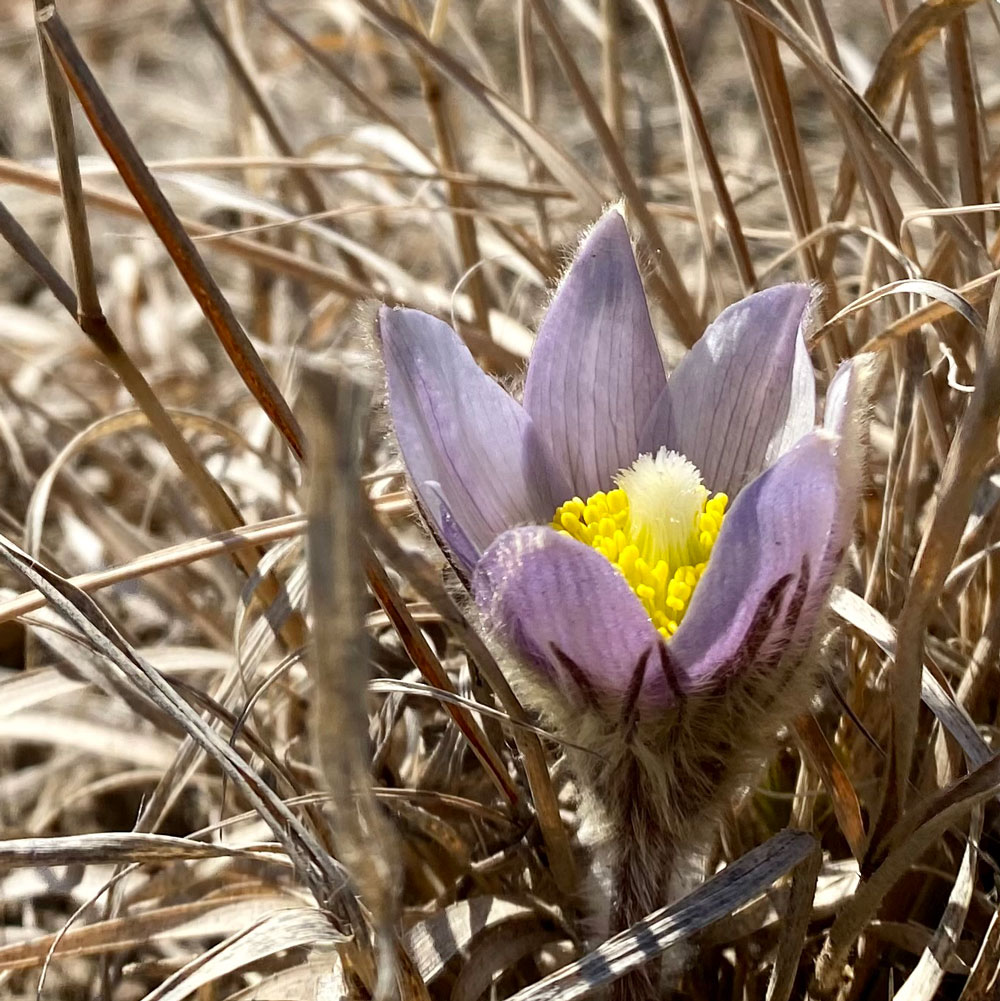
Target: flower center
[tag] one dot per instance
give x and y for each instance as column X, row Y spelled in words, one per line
column 658, row 528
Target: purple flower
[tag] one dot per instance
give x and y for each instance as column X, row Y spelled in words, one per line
column 590, row 520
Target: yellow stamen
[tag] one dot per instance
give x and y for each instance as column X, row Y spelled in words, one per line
column 658, row 527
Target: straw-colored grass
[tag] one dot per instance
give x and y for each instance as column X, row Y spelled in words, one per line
column 232, row 770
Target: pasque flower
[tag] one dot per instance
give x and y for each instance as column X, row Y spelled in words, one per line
column 590, row 519
column 656, row 552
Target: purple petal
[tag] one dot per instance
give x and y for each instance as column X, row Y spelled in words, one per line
column 596, row 371
column 452, row 534
column 771, row 569
column 744, row 394
column 564, row 608
column 474, row 457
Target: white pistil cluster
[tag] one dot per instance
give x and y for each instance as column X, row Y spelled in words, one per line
column 666, row 498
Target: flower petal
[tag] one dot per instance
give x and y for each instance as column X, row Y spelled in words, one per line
column 771, row 569
column 596, row 370
column 846, row 416
column 565, row 609
column 846, row 396
column 452, row 535
column 474, row 457
column 744, row 394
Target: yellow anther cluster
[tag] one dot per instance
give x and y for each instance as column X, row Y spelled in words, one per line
column 603, row 521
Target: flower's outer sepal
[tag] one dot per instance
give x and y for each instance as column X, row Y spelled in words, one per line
column 771, row 570
column 569, row 614
column 596, row 370
column 744, row 394
column 474, row 456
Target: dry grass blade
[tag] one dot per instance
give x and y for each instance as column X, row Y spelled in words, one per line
column 795, row 926
column 526, row 62
column 922, row 25
column 611, row 69
column 836, row 781
column 436, row 940
column 734, row 231
column 499, row 951
column 92, row 849
column 248, row 537
column 243, row 76
column 922, row 984
column 61, row 121
column 161, row 216
column 80, row 611
column 556, row 160
column 774, row 98
column 450, row 158
column 958, row 58
column 909, row 845
column 860, row 119
column 293, row 928
column 274, row 258
column 321, row 977
column 338, row 408
column 982, row 982
column 974, row 447
column 669, row 287
column 853, row 609
column 540, row 781
column 429, row 666
column 919, row 286
column 976, row 291
column 736, row 885
column 219, row 916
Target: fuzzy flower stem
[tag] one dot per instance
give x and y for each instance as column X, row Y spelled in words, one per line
column 642, row 870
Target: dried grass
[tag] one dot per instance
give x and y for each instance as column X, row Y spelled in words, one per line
column 228, row 771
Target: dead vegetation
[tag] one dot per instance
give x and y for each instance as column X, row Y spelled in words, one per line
column 232, row 770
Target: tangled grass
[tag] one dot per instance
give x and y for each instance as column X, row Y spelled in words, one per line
column 250, row 746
